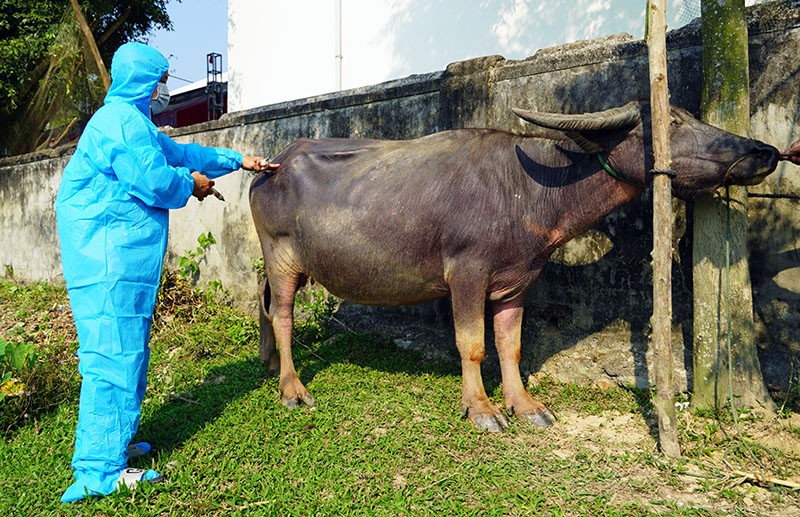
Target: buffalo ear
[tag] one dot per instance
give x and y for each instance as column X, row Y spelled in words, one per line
column 583, row 142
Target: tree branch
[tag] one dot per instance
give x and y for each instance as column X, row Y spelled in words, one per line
column 114, row 26
column 91, row 43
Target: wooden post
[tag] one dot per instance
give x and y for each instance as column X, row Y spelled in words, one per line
column 92, row 44
column 662, row 230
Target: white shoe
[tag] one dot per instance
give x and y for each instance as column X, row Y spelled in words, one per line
column 130, row 477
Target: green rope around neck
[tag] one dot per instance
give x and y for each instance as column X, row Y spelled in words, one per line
column 611, row 172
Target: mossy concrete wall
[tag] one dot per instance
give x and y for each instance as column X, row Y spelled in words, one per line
column 587, row 318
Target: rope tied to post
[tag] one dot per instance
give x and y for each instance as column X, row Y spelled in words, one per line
column 666, row 172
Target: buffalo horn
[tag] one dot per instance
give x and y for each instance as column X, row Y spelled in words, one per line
column 615, row 118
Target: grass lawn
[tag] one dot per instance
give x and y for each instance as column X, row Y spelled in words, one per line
column 385, row 438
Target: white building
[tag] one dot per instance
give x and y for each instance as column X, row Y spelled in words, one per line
column 281, row 50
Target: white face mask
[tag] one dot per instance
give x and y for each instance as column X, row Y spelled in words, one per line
column 161, row 101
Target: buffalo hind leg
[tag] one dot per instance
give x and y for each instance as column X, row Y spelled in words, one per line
column 281, row 308
column 266, row 350
column 468, row 306
column 507, row 337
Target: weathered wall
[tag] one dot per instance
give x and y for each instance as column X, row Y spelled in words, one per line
column 587, row 317
column 28, row 188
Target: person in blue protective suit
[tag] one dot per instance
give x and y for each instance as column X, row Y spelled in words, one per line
column 112, row 212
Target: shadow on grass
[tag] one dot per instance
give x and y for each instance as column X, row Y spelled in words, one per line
column 372, row 351
column 177, row 420
column 377, row 352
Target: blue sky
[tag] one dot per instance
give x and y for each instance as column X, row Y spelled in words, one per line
column 199, row 28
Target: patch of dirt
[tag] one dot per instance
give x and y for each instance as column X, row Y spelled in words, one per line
column 721, row 482
column 778, row 435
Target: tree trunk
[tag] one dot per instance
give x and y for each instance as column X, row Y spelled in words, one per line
column 92, row 44
column 726, row 365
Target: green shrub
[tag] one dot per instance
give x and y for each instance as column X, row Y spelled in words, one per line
column 37, row 370
column 315, row 308
column 189, row 262
column 16, row 359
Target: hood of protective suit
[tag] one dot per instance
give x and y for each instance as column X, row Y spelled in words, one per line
column 135, row 72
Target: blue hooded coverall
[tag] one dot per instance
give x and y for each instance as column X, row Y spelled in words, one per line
column 112, row 211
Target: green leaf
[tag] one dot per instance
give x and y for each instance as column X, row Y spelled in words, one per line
column 206, row 240
column 20, row 355
column 187, row 266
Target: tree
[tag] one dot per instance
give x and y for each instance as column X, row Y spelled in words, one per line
column 48, row 78
column 726, row 366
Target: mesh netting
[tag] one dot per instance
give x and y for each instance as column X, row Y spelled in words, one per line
column 687, row 10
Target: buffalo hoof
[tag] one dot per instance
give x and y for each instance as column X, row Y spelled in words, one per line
column 543, row 418
column 298, row 401
column 493, row 423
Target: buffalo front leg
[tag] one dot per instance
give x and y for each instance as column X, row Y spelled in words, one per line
column 507, row 336
column 266, row 350
column 468, row 303
column 281, row 308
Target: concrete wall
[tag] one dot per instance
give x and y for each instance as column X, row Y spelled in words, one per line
column 587, row 317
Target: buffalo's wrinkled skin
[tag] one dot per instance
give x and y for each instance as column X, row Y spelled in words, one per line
column 471, row 214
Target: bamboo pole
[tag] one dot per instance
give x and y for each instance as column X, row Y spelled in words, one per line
column 92, row 44
column 662, row 230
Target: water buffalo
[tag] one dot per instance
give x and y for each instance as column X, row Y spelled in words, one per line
column 468, row 213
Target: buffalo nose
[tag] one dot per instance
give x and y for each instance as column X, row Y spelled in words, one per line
column 767, row 153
